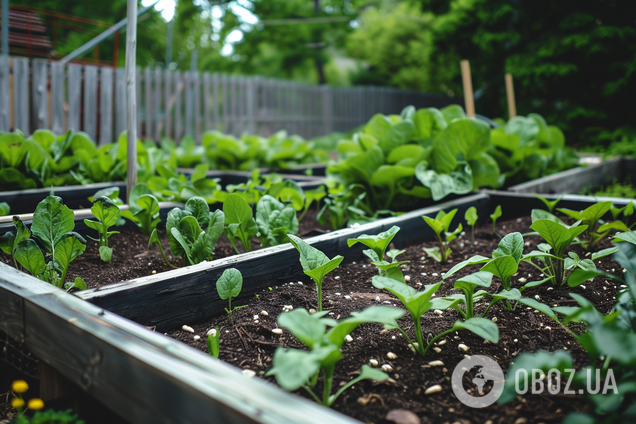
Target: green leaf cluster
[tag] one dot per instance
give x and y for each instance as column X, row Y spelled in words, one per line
column 441, row 227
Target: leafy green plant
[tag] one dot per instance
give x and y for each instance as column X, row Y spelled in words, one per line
column 418, row 303
column 239, row 222
column 274, row 221
column 627, row 211
column 192, row 232
column 441, row 225
column 295, row 368
column 213, row 342
column 343, row 205
column 10, row 240
column 143, row 209
column 494, row 217
column 315, row 263
column 550, row 204
column 107, row 213
column 52, row 239
column 467, row 285
column 377, row 244
column 471, row 218
column 229, row 285
column 5, row 209
column 590, row 217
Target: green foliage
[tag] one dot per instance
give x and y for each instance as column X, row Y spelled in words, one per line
column 214, row 338
column 441, row 226
column 48, row 417
column 274, row 221
column 229, row 285
column 294, row 368
column 377, row 244
column 5, row 209
column 494, row 217
column 239, row 222
column 107, row 214
column 591, row 218
column 315, row 263
column 550, row 204
column 471, row 218
column 143, row 209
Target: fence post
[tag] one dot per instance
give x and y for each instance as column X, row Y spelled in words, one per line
column 57, row 98
column 327, row 109
column 39, row 92
column 21, row 94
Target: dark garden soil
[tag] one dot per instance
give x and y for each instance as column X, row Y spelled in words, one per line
column 132, row 258
column 250, row 343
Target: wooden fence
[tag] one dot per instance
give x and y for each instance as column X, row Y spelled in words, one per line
column 37, row 93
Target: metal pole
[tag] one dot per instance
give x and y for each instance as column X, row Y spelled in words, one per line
column 5, row 27
column 131, row 99
column 104, row 35
column 169, row 43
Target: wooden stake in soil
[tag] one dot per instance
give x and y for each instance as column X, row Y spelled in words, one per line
column 469, row 101
column 510, row 94
column 131, row 99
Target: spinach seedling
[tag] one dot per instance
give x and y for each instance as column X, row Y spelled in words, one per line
column 274, row 221
column 10, row 240
column 494, row 217
column 315, row 263
column 143, row 209
column 377, row 244
column 441, row 225
column 295, row 368
column 550, row 204
column 107, row 213
column 52, row 229
column 213, row 342
column 591, row 218
column 311, row 197
column 192, row 232
column 229, row 285
column 471, row 218
column 418, row 303
column 239, row 222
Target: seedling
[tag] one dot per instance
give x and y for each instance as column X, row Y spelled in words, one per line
column 315, row 263
column 10, row 240
column 274, row 221
column 107, row 213
column 591, row 218
column 494, row 217
column 4, row 209
column 143, row 209
column 471, row 218
column 550, row 204
column 440, row 225
column 52, row 229
column 213, row 342
column 378, row 245
column 229, row 285
column 342, row 205
column 239, row 222
column 295, row 368
column 192, row 232
column 418, row 303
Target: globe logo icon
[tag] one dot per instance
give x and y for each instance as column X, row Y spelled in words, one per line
column 483, row 370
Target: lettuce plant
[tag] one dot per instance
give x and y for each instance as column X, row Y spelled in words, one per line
column 417, row 303
column 295, row 368
column 343, row 204
column 239, row 222
column 274, row 221
column 229, row 285
column 441, row 225
column 107, row 214
column 471, row 218
column 52, row 239
column 315, row 263
column 143, row 209
column 192, row 231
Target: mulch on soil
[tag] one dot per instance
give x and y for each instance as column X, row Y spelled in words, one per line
column 132, row 258
column 250, row 343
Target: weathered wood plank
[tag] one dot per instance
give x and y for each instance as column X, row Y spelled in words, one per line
column 40, row 94
column 57, row 97
column 207, row 100
column 178, row 116
column 5, row 94
column 139, row 82
column 21, row 94
column 157, row 106
column 106, row 105
column 216, row 102
column 148, row 104
column 189, row 102
column 74, row 84
column 121, row 119
column 196, row 88
column 90, row 100
column 169, row 101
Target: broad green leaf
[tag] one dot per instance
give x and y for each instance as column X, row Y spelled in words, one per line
column 484, row 328
column 629, row 237
column 5, row 209
column 459, row 180
column 308, row 328
column 473, row 260
column 391, row 269
column 67, row 249
column 503, row 267
column 293, row 368
column 427, row 123
column 471, row 216
column 485, row 171
column 315, row 263
column 541, row 307
column 470, row 281
column 200, row 210
column 510, row 245
column 106, row 211
column 105, row 253
column 463, row 140
column 604, row 252
column 434, row 252
column 537, row 214
column 417, row 303
column 496, row 214
column 29, row 255
column 512, row 294
column 200, row 172
column 614, row 225
column 557, row 235
column 377, row 243
column 238, row 212
column 51, row 221
column 385, row 315
column 288, row 191
column 452, row 112
column 230, row 283
column 579, row 276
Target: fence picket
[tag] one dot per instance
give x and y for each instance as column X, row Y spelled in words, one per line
column 40, row 94
column 106, row 105
column 5, row 94
column 121, row 119
column 169, row 101
column 157, row 106
column 74, row 84
column 57, row 98
column 90, row 100
column 21, row 94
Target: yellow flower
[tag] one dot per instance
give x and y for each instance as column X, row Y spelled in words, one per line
column 17, row 403
column 20, row 386
column 35, row 404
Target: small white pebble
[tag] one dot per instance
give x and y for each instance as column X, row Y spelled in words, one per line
column 347, row 296
column 387, row 368
column 624, row 270
column 433, row 389
column 364, row 266
column 392, row 337
column 391, row 355
column 373, row 362
column 442, row 343
column 582, row 286
column 300, row 283
column 154, row 272
column 424, row 274
column 291, row 283
column 338, row 294
column 188, row 329
column 467, row 356
column 312, row 311
column 348, row 338
column 438, row 312
column 388, row 302
column 197, row 337
column 461, row 245
column 407, row 278
column 337, row 277
column 550, row 288
column 463, row 347
column 211, row 332
column 613, row 269
column 249, row 373
column 377, row 298
column 494, row 319
column 277, row 331
column 264, row 313
column 434, row 274
column 256, row 321
column 523, row 280
column 287, row 308
column 547, row 327
column 437, row 349
column 516, row 340
column 536, row 296
column 255, row 316
column 436, row 363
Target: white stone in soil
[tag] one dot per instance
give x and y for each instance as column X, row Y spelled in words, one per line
column 437, row 349
column 197, row 337
column 373, row 362
column 277, row 331
column 436, row 363
column 391, row 355
column 249, row 373
column 463, row 347
column 188, row 329
column 387, row 368
column 264, row 313
column 433, row 389
column 348, row 338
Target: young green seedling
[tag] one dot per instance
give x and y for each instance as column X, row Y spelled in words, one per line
column 311, row 197
column 295, row 368
column 418, row 303
column 440, row 225
column 143, row 209
column 239, row 222
column 274, row 221
column 315, row 263
column 213, row 342
column 5, row 209
column 229, row 285
column 494, row 217
column 107, row 213
column 10, row 240
column 471, row 218
column 550, row 204
column 377, row 244
column 591, row 218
